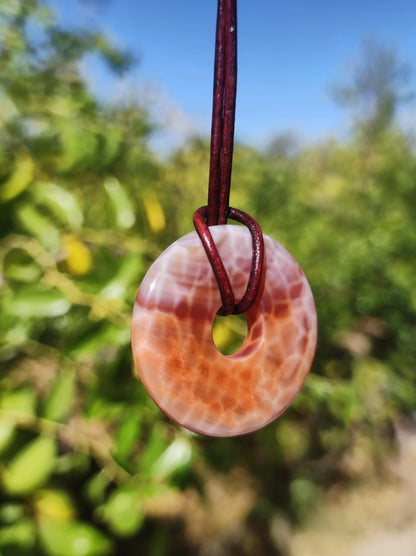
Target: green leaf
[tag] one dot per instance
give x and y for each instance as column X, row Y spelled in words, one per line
column 123, row 512
column 127, row 275
column 152, row 451
column 175, row 458
column 10, row 512
column 111, row 144
column 122, row 206
column 60, row 399
column 79, row 146
column 127, row 438
column 38, row 226
column 96, row 487
column 31, row 467
column 61, row 202
column 15, row 336
column 7, row 432
column 37, row 301
column 21, row 177
column 74, row 538
column 22, row 400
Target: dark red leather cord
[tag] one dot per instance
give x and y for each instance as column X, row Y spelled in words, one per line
column 223, row 112
column 222, row 145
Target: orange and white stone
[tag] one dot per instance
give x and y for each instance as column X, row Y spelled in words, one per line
column 177, row 360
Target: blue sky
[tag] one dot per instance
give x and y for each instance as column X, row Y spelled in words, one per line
column 289, row 53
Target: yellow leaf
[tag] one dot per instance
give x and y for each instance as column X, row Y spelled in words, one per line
column 154, row 212
column 54, row 504
column 78, row 258
column 221, row 335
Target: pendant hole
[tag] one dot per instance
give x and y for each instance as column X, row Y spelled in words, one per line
column 229, row 333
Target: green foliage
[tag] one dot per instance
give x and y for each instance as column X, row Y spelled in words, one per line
column 71, row 412
column 88, row 465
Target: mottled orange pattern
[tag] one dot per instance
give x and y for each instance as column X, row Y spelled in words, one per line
column 177, row 360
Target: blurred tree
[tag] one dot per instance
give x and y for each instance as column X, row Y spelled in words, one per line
column 380, row 83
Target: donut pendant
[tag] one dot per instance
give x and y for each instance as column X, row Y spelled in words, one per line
column 175, row 355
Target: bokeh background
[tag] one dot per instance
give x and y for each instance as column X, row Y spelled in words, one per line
column 93, row 187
